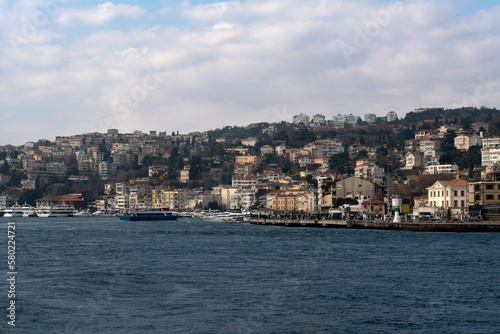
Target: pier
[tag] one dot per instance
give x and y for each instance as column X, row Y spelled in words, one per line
column 480, row 226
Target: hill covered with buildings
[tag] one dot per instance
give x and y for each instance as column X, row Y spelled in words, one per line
column 314, row 163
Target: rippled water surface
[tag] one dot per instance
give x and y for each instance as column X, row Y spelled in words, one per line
column 87, row 275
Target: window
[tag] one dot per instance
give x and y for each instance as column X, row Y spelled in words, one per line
column 489, row 197
column 462, row 193
column 455, row 193
column 462, row 204
column 455, row 204
column 489, row 187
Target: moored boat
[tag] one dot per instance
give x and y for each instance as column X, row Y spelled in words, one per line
column 13, row 211
column 149, row 214
column 56, row 211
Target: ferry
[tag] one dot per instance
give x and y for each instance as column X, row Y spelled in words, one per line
column 13, row 211
column 149, row 214
column 56, row 211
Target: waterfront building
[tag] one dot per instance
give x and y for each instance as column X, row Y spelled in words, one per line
column 451, row 195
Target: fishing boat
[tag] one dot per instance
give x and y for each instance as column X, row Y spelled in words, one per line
column 149, row 214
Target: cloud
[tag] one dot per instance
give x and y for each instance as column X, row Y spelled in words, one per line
column 99, row 15
column 234, row 63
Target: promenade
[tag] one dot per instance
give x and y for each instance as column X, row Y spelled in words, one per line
column 480, row 226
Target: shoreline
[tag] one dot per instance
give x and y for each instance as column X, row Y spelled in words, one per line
column 481, row 226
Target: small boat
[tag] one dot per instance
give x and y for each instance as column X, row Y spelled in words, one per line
column 83, row 213
column 13, row 211
column 100, row 213
column 149, row 214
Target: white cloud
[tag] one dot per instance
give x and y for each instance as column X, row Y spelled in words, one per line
column 99, row 15
column 238, row 62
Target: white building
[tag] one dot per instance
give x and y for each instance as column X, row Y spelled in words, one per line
column 391, row 116
column 369, row 171
column 490, row 156
column 331, row 147
column 440, row 169
column 449, row 194
column 298, row 119
column 465, row 141
column 491, row 142
column 370, row 118
column 412, row 160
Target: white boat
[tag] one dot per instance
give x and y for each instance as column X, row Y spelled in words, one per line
column 28, row 210
column 84, row 213
column 100, row 213
column 13, row 211
column 56, row 211
column 221, row 217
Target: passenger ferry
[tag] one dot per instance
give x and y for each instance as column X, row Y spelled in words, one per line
column 13, row 211
column 56, row 211
column 149, row 214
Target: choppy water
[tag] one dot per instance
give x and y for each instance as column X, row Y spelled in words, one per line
column 87, row 275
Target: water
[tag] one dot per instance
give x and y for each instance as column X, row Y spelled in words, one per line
column 88, row 275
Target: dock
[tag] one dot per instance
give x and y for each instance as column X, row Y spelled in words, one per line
column 479, row 226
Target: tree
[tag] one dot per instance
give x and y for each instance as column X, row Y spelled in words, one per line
column 30, row 197
column 341, row 163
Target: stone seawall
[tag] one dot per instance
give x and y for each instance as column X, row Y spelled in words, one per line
column 483, row 226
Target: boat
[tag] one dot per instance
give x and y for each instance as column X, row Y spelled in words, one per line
column 13, row 211
column 221, row 217
column 83, row 213
column 62, row 210
column 100, row 213
column 28, row 210
column 149, row 214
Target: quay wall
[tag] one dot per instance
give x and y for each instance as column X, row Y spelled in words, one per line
column 482, row 226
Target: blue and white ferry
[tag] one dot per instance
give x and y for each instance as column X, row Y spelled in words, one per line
column 149, row 214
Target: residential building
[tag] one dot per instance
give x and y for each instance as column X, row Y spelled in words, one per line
column 441, row 169
column 370, row 118
column 184, row 174
column 367, row 170
column 412, row 160
column 477, row 126
column 301, row 119
column 465, row 141
column 245, row 181
column 391, row 116
column 250, row 141
column 490, row 156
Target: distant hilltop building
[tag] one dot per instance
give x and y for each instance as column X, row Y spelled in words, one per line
column 419, row 110
column 318, row 120
column 370, row 118
column 340, row 120
column 298, row 119
column 391, row 116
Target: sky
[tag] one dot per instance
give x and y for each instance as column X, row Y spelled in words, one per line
column 71, row 67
